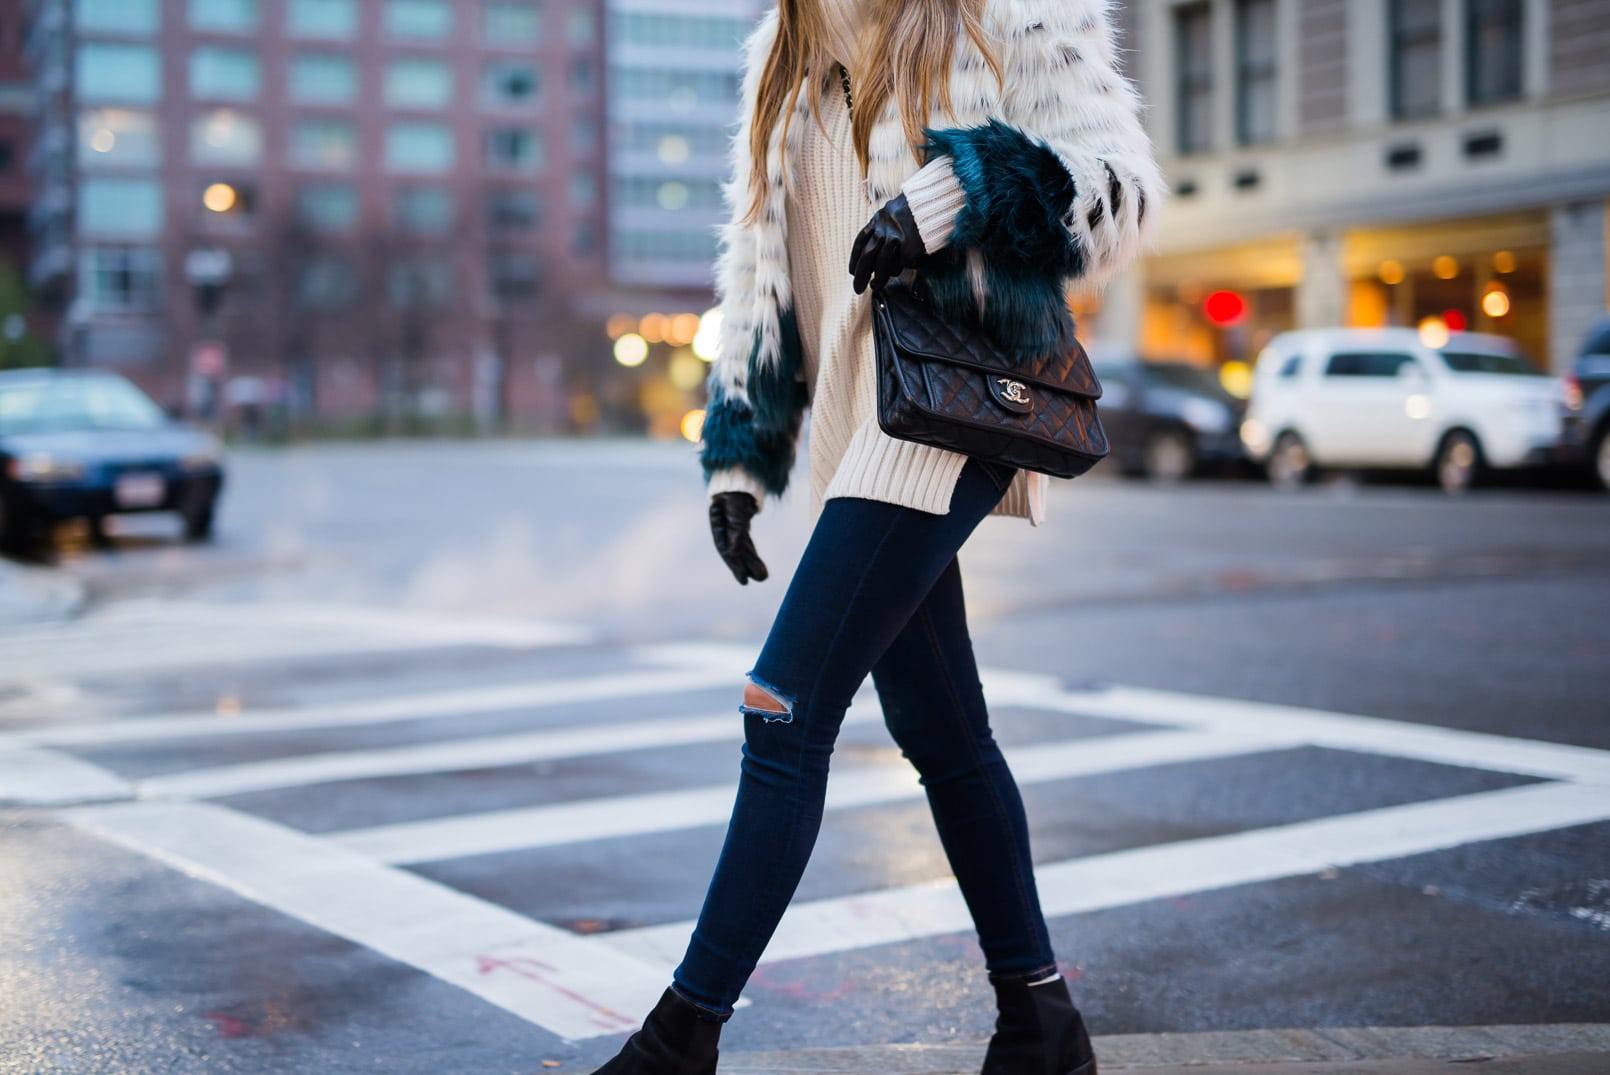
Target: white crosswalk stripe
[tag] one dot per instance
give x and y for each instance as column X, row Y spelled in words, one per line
column 153, row 635
column 352, row 884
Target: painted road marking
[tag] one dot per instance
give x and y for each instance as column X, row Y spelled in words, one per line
column 380, row 710
column 151, row 635
column 464, row 835
column 546, row 976
column 50, row 778
column 1099, row 882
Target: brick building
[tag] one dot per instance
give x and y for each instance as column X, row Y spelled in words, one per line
column 409, row 193
column 1369, row 162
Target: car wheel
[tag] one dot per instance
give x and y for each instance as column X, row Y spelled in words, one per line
column 1290, row 465
column 1458, row 462
column 1170, row 456
column 198, row 520
column 1599, row 453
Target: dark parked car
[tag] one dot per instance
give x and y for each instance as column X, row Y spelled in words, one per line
column 1168, row 420
column 1587, row 397
column 86, row 444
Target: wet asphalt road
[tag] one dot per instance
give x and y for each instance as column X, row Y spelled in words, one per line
column 1333, row 759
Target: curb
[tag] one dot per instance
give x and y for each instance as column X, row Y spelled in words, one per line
column 34, row 595
column 1556, row 1049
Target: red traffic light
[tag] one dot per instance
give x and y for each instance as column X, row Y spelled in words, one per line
column 1224, row 307
column 1455, row 320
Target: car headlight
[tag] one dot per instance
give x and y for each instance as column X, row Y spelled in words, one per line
column 43, row 467
column 1255, row 436
column 1206, row 416
column 204, row 457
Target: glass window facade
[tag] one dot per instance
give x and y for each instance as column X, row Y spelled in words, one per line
column 679, row 91
column 1416, row 58
column 424, row 210
column 581, row 28
column 514, row 275
column 416, row 83
column 117, row 138
column 1193, row 51
column 583, row 75
column 228, row 16
column 225, row 74
column 131, row 207
column 420, row 281
column 225, row 136
column 125, row 279
column 325, row 144
column 1495, row 37
column 509, row 84
column 328, row 207
column 419, row 147
column 322, row 18
column 511, row 23
column 329, row 281
column 319, row 78
column 117, row 16
column 427, row 19
column 679, row 31
column 1256, row 71
column 583, row 190
column 112, row 72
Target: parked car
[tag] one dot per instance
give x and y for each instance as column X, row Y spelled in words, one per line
column 1587, row 398
column 1166, row 420
column 1382, row 398
column 88, row 444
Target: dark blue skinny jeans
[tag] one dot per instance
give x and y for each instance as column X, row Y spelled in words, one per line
column 879, row 590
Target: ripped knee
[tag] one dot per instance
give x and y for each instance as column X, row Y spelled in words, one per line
column 766, row 702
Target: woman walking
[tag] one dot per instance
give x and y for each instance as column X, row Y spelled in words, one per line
column 992, row 147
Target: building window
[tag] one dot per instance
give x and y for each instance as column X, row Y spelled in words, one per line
column 582, row 75
column 325, row 144
column 230, row 74
column 585, row 239
column 509, row 84
column 117, row 16
column 323, row 18
column 1494, row 46
column 419, row 84
column 108, row 72
column 583, row 190
column 1255, row 71
column 322, row 79
column 1416, row 46
column 424, row 210
column 507, row 23
column 583, row 135
column 328, row 282
column 512, row 211
column 229, row 16
column 108, row 206
column 421, row 19
column 581, row 29
column 117, row 138
column 1193, row 47
column 514, row 276
column 120, row 278
column 224, row 136
column 420, row 281
column 419, row 147
column 328, row 207
column 513, row 149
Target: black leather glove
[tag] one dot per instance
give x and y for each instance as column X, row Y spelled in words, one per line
column 887, row 246
column 729, row 525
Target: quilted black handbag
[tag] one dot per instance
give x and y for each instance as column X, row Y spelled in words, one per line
column 951, row 387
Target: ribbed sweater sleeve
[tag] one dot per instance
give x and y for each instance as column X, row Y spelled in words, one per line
column 936, row 197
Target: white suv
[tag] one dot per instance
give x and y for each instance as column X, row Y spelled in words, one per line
column 1381, row 398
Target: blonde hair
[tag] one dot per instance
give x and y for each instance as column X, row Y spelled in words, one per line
column 906, row 58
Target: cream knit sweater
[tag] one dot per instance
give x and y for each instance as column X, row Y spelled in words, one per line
column 827, row 207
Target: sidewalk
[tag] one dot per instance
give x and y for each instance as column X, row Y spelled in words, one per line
column 1564, row 1049
column 30, row 595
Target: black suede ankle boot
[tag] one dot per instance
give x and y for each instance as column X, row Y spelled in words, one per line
column 676, row 1039
column 1038, row 1032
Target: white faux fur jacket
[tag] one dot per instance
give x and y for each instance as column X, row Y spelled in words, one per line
column 1058, row 174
